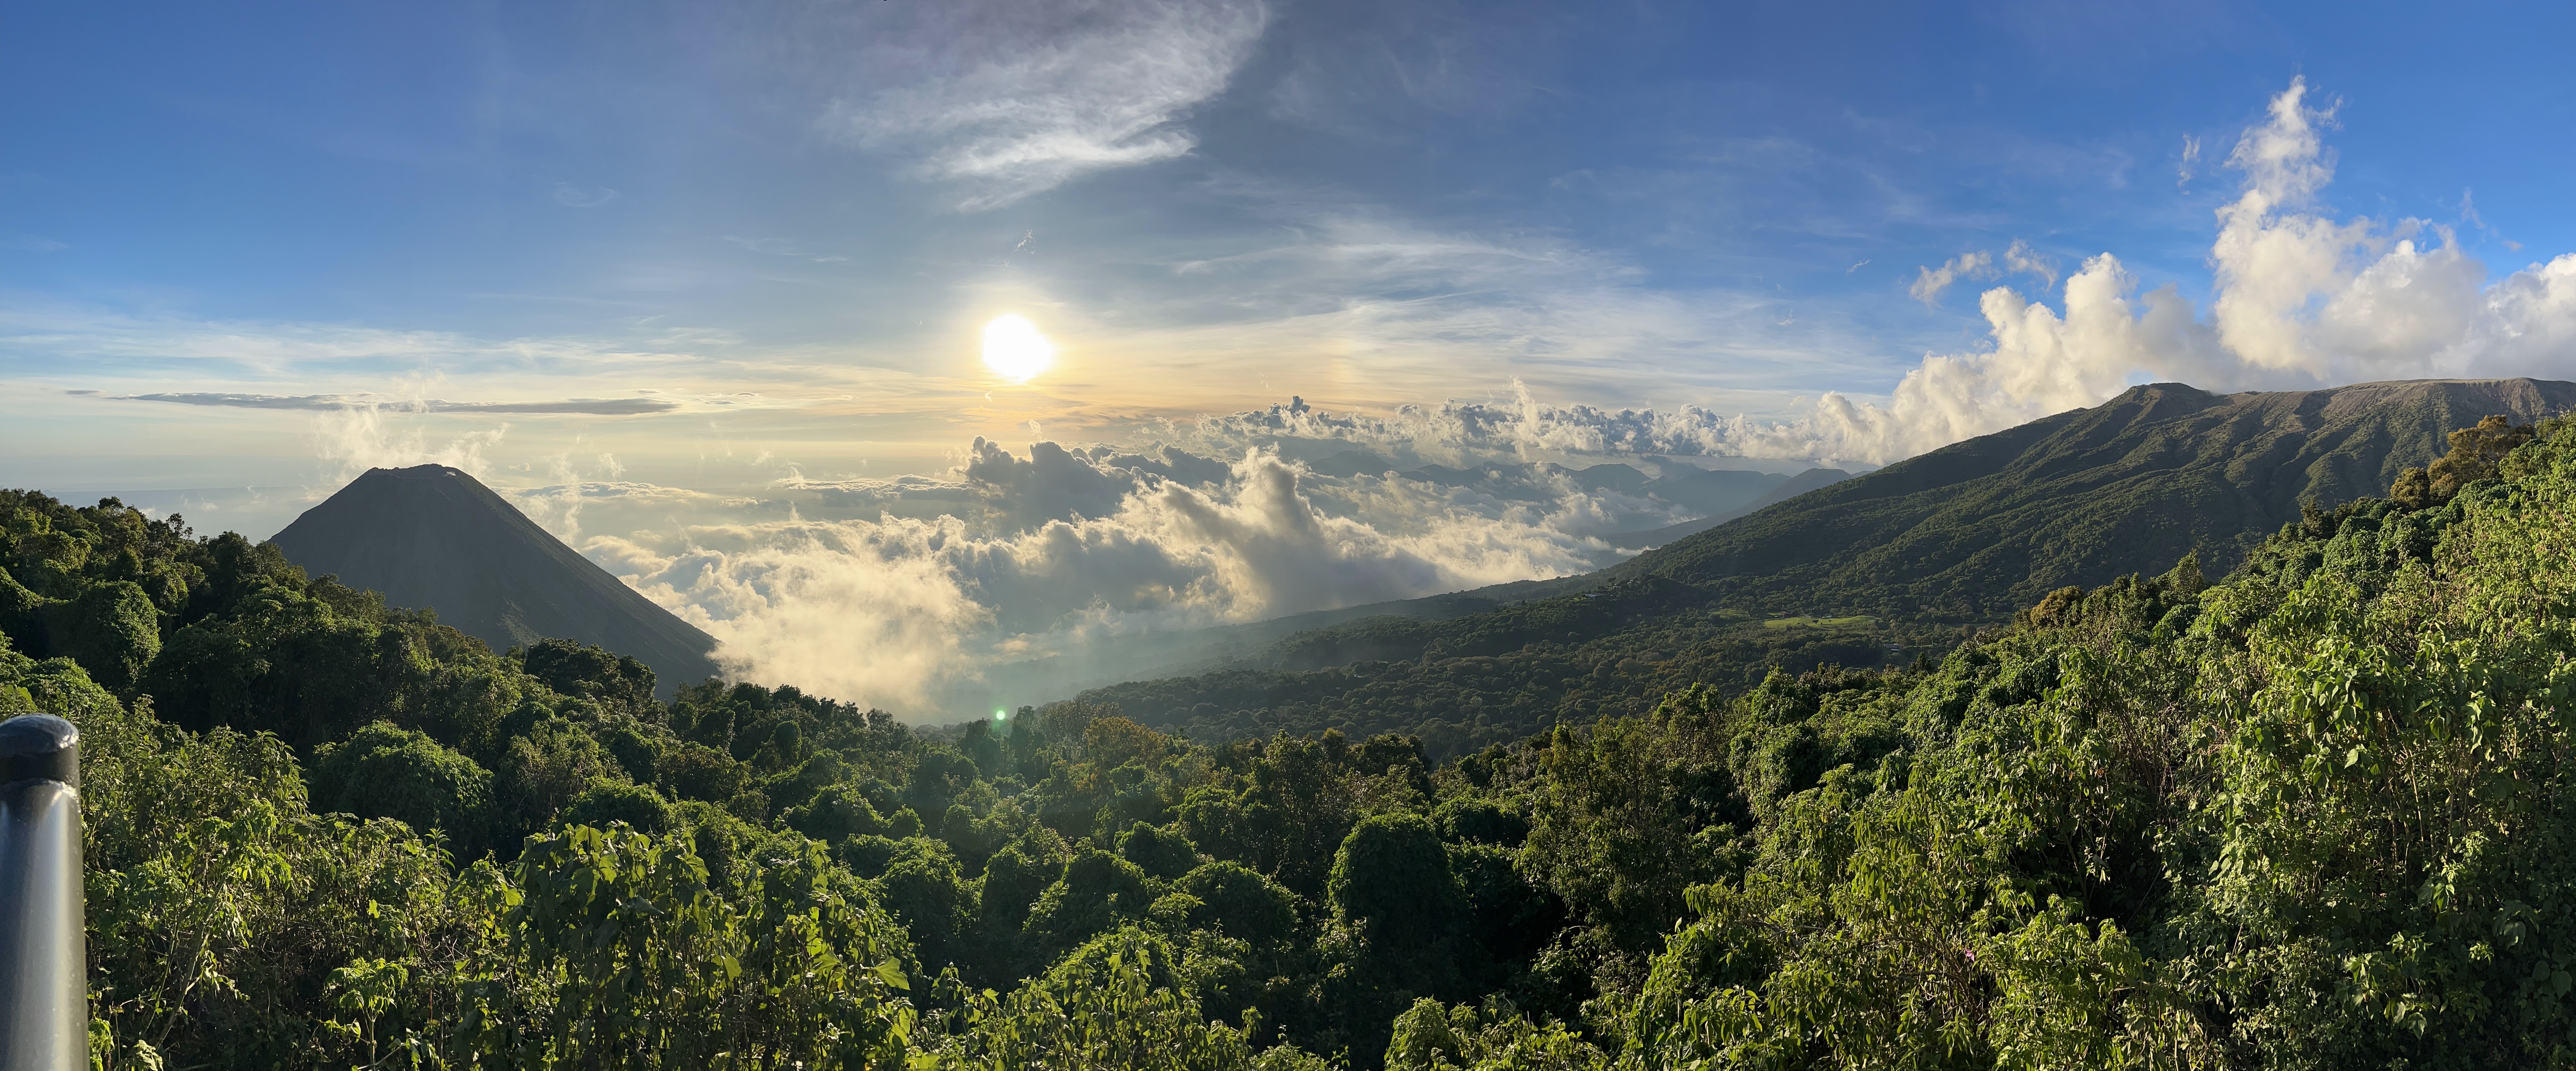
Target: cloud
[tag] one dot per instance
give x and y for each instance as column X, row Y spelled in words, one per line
column 1020, row 100
column 317, row 366
column 585, row 406
column 357, row 438
column 786, row 247
column 1927, row 286
column 2021, row 258
column 572, row 196
column 1526, row 429
column 904, row 612
column 29, row 243
column 2300, row 300
column 1383, row 311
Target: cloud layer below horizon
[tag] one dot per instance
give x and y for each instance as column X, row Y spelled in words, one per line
column 900, row 593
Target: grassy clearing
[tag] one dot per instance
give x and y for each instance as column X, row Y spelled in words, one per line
column 1817, row 622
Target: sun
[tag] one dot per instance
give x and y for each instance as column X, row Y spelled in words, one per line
column 1014, row 349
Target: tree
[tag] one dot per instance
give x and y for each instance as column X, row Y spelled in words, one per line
column 1164, row 853
column 382, row 771
column 2474, row 454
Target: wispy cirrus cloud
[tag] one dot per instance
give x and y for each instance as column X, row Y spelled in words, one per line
column 110, row 343
column 1008, row 100
column 571, row 196
column 786, row 247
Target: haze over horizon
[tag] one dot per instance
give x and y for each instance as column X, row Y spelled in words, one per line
column 763, row 307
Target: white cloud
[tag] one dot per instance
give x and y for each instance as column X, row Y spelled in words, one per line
column 1931, row 282
column 1036, row 98
column 2022, row 258
column 786, row 247
column 110, row 344
column 357, row 438
column 571, row 196
column 900, row 612
column 2301, row 300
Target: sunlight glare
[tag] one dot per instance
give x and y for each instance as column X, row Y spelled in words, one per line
column 1014, row 349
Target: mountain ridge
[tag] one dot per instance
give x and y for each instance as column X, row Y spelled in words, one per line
column 1867, row 571
column 2128, row 486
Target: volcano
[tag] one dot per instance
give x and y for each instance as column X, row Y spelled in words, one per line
column 431, row 536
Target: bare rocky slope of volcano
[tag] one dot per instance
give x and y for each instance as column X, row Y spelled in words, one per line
column 432, row 536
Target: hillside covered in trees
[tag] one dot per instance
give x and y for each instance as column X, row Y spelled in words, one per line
column 1902, row 563
column 2314, row 815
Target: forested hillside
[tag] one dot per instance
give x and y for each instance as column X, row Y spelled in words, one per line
column 1903, row 562
column 2314, row 816
column 1972, row 531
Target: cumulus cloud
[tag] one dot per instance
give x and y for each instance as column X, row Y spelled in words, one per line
column 358, row 438
column 1528, row 429
column 1930, row 283
column 902, row 612
column 1035, row 97
column 2301, row 299
column 2022, row 258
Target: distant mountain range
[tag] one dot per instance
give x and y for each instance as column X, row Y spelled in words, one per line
column 1858, row 571
column 432, row 536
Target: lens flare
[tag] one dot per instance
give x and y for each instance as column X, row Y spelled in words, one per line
column 1014, row 349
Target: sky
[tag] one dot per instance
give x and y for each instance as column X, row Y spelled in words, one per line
column 701, row 284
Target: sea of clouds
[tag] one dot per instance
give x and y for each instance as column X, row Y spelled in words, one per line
column 901, row 592
column 908, row 593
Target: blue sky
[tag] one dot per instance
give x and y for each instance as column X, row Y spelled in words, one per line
column 781, row 226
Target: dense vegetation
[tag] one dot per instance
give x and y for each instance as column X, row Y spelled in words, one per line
column 2312, row 816
column 1465, row 683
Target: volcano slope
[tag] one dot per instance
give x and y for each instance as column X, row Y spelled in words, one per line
column 432, row 536
column 1877, row 569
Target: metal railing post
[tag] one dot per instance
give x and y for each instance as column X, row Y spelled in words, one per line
column 44, row 962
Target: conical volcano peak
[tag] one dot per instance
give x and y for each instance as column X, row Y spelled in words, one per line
column 434, row 536
column 428, row 471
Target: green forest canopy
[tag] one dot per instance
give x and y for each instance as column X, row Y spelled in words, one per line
column 2315, row 815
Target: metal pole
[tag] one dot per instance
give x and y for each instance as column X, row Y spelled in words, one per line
column 44, row 982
